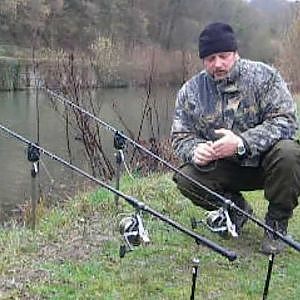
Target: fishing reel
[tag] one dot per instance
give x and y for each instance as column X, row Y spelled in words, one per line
column 217, row 221
column 133, row 232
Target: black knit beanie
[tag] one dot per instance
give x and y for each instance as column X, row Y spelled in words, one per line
column 216, row 37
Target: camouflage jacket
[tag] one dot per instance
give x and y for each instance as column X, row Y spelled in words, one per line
column 253, row 101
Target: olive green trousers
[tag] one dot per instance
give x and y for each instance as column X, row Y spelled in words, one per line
column 278, row 175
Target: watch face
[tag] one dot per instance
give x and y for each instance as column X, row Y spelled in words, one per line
column 241, row 150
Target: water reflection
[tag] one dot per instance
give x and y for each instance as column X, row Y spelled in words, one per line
column 18, row 112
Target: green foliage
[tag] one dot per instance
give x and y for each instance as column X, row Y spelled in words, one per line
column 80, row 258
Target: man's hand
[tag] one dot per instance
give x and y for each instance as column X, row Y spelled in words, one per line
column 204, row 154
column 226, row 145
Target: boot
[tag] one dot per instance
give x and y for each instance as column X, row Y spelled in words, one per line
column 271, row 244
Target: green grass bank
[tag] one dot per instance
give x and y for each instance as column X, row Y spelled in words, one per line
column 74, row 252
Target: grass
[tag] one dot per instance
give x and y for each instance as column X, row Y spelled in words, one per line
column 74, row 253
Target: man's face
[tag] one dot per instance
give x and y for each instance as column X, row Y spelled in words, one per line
column 218, row 65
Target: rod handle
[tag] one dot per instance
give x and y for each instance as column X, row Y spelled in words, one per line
column 231, row 255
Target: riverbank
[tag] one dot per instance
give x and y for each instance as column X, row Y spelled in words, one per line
column 74, row 252
column 108, row 66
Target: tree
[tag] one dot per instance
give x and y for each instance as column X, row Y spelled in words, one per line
column 288, row 60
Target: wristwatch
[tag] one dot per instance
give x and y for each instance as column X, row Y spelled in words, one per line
column 241, row 149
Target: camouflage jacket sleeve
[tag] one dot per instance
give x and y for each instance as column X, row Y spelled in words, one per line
column 183, row 134
column 278, row 116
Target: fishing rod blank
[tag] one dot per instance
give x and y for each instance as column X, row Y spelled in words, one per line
column 226, row 202
column 231, row 255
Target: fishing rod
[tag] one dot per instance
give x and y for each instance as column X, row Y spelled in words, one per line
column 231, row 255
column 225, row 201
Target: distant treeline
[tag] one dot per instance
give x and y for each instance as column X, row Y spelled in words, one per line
column 172, row 26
